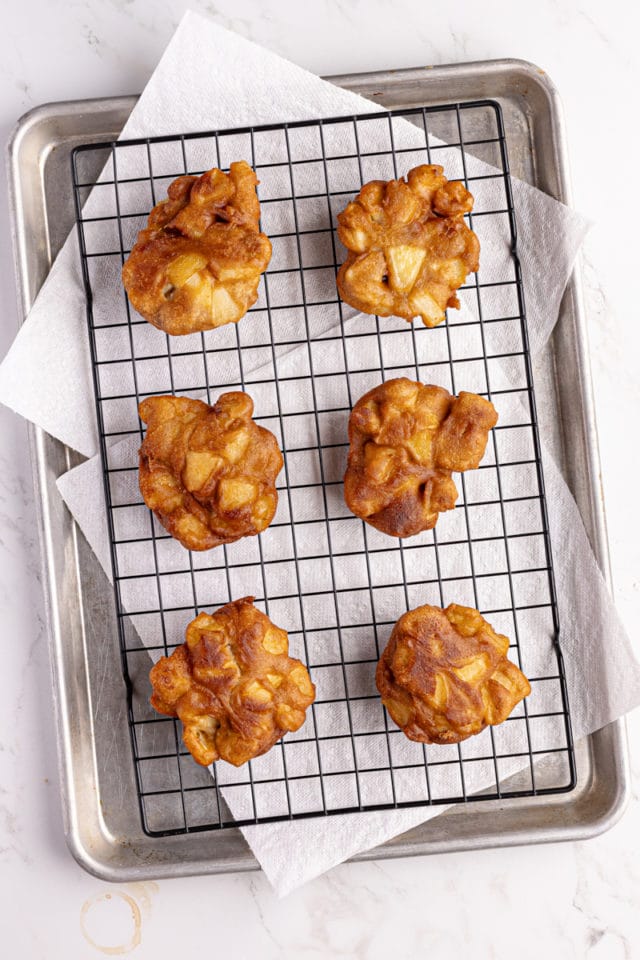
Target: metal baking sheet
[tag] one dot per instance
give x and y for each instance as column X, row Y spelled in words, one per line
column 102, row 822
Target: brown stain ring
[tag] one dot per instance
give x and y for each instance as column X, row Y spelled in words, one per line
column 120, row 949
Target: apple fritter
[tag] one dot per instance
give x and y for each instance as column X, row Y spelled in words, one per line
column 444, row 675
column 198, row 262
column 405, row 439
column 233, row 685
column 208, row 473
column 409, row 248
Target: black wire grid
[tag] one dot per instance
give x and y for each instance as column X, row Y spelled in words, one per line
column 335, row 584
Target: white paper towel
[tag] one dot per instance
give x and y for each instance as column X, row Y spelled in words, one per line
column 196, row 87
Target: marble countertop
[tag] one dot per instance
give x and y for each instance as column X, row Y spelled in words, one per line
column 571, row 900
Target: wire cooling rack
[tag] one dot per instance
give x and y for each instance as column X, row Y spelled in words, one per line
column 334, row 583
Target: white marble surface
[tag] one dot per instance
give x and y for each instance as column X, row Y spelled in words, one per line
column 570, row 900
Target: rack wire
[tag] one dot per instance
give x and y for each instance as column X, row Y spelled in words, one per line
column 334, row 583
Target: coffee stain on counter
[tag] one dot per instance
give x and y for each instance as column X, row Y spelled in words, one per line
column 119, row 912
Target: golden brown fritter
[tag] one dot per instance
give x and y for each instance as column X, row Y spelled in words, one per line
column 444, row 675
column 233, row 685
column 197, row 264
column 405, row 439
column 409, row 247
column 208, row 473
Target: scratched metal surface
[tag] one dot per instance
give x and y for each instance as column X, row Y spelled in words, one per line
column 102, row 821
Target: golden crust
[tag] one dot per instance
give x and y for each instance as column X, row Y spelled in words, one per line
column 405, row 439
column 197, row 264
column 409, row 248
column 208, row 473
column 233, row 685
column 444, row 675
